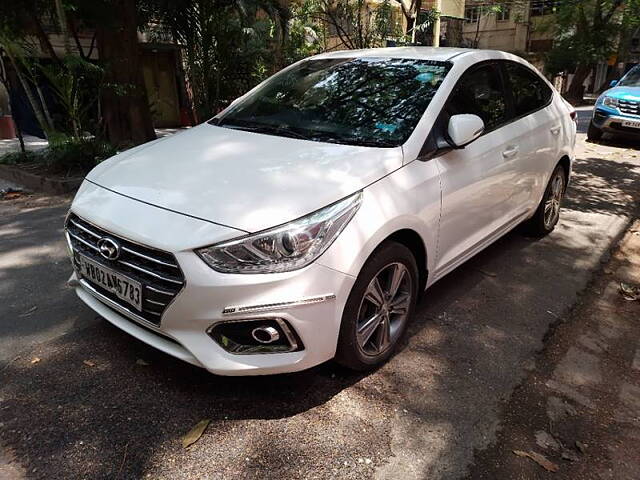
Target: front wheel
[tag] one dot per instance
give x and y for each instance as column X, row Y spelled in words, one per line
column 548, row 213
column 379, row 307
column 593, row 132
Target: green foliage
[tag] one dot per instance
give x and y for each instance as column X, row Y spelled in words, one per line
column 228, row 46
column 359, row 23
column 68, row 153
column 15, row 158
column 76, row 83
column 305, row 34
column 589, row 31
column 64, row 154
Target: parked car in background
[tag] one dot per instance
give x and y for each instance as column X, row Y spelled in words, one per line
column 617, row 110
column 302, row 223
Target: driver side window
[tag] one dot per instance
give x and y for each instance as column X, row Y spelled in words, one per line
column 480, row 92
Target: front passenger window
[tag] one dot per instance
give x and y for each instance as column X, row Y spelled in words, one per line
column 480, row 93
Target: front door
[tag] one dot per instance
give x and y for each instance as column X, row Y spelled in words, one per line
column 478, row 180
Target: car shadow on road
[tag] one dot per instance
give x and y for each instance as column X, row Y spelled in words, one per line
column 98, row 404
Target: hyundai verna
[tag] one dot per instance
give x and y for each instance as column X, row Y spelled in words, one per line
column 302, row 222
column 617, row 111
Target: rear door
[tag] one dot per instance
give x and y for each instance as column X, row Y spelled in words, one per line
column 477, row 181
column 537, row 129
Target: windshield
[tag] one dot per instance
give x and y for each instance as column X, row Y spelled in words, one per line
column 361, row 101
column 631, row 79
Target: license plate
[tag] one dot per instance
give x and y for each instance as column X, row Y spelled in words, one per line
column 120, row 285
column 630, row 124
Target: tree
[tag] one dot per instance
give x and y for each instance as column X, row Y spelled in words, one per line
column 357, row 23
column 587, row 32
column 229, row 45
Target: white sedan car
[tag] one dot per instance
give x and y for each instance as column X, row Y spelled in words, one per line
column 302, row 223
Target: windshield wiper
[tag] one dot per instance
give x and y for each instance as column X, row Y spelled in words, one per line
column 284, row 130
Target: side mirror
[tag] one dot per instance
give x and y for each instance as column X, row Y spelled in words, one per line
column 464, row 129
column 613, row 83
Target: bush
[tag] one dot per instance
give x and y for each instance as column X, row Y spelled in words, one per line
column 71, row 154
column 65, row 155
column 15, row 158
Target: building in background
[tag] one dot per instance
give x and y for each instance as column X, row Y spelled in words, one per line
column 451, row 22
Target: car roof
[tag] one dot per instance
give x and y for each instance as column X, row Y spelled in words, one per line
column 419, row 53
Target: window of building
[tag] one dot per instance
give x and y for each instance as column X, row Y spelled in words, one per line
column 472, row 14
column 504, row 13
column 543, row 7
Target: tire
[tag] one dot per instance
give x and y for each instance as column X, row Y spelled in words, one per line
column 381, row 328
column 593, row 132
column 548, row 213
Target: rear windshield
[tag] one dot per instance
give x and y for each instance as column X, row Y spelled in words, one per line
column 357, row 101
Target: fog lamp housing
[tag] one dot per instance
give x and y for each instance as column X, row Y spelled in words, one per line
column 255, row 336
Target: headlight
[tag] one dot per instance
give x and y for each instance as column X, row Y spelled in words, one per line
column 284, row 248
column 610, row 102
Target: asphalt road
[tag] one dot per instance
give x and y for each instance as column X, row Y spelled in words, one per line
column 87, row 408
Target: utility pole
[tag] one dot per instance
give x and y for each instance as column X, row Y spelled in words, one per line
column 436, row 24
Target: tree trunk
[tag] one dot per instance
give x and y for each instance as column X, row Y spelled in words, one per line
column 576, row 90
column 33, row 101
column 125, row 107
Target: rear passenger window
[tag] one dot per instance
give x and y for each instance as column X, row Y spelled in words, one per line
column 480, row 92
column 530, row 92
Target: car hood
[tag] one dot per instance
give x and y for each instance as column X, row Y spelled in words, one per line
column 245, row 180
column 624, row 93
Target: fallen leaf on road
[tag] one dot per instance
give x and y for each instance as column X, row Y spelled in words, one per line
column 142, row 362
column 488, row 274
column 29, row 312
column 35, row 360
column 541, row 460
column 629, row 292
column 195, row 433
column 570, row 455
column 89, row 363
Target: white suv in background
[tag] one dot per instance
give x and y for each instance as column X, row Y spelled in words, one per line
column 302, row 222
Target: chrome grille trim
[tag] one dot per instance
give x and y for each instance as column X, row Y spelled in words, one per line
column 157, row 290
column 157, row 271
column 149, row 272
column 630, row 107
column 151, row 259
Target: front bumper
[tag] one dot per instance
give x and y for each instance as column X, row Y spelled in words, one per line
column 610, row 122
column 184, row 325
column 309, row 300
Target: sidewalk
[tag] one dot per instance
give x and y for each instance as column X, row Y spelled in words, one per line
column 578, row 413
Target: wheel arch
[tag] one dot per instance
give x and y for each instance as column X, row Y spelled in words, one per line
column 565, row 163
column 414, row 242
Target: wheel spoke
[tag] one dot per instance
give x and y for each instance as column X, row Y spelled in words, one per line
column 400, row 305
column 384, row 337
column 396, row 280
column 374, row 293
column 368, row 328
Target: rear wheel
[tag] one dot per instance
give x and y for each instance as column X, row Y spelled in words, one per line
column 593, row 132
column 379, row 307
column 548, row 212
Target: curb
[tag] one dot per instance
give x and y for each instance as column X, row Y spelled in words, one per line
column 40, row 183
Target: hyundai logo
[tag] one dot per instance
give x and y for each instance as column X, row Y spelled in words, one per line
column 108, row 248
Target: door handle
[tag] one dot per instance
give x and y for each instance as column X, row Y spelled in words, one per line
column 510, row 152
column 556, row 130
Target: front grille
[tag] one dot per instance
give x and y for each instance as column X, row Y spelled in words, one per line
column 157, row 271
column 630, row 107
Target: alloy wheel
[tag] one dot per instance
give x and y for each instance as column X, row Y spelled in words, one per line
column 384, row 309
column 552, row 204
